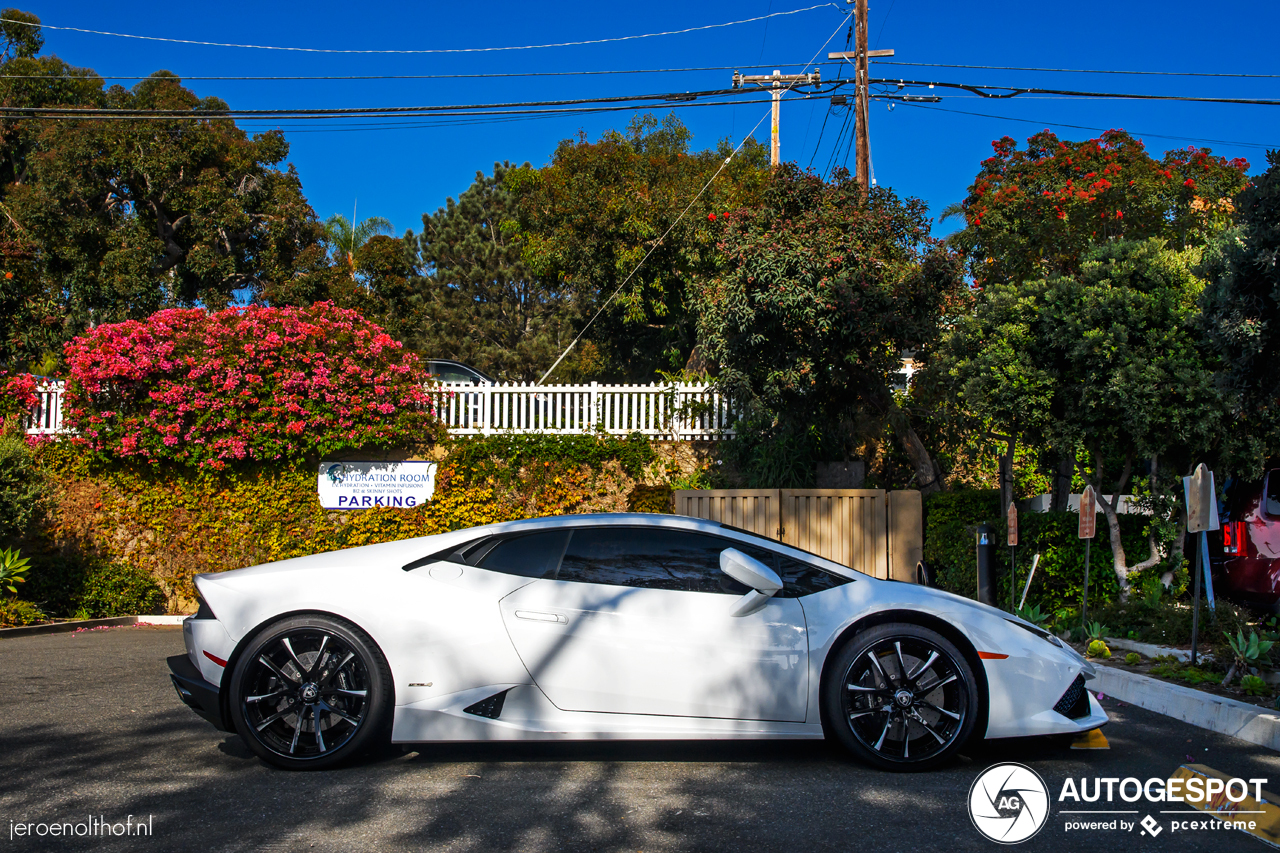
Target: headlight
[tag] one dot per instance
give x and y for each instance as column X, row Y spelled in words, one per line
column 1039, row 632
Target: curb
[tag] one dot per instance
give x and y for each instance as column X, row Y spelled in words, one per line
column 1151, row 650
column 1215, row 713
column 70, row 626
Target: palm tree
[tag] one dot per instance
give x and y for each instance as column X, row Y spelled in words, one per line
column 346, row 238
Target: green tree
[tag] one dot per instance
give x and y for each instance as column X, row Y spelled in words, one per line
column 346, row 238
column 820, row 289
column 589, row 218
column 107, row 220
column 477, row 299
column 1241, row 316
column 1105, row 366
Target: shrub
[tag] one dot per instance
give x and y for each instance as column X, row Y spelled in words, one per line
column 501, row 457
column 1133, row 659
column 14, row 613
column 950, row 550
column 17, row 401
column 23, row 490
column 1255, row 686
column 1098, row 649
column 649, row 499
column 91, row 588
column 201, row 388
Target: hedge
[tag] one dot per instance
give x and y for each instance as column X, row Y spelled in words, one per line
column 950, row 550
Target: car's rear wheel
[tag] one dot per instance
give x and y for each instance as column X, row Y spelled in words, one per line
column 901, row 697
column 310, row 692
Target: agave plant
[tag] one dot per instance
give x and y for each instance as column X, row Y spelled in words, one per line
column 1246, row 652
column 1033, row 614
column 1095, row 630
column 12, row 568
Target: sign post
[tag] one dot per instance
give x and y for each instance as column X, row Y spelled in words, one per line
column 1202, row 516
column 1088, row 529
column 1011, row 523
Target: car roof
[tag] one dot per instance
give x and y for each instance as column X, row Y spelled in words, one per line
column 451, row 362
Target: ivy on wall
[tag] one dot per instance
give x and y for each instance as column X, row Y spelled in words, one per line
column 176, row 521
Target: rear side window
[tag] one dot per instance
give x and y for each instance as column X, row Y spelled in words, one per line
column 533, row 556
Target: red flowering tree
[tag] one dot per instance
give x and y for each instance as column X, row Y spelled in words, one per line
column 1033, row 213
column 202, row 388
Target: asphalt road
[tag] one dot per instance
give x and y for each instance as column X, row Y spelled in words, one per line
column 91, row 727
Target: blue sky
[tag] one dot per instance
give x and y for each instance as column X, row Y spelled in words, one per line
column 400, row 171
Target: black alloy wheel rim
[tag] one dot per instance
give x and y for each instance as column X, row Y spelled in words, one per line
column 905, row 699
column 305, row 694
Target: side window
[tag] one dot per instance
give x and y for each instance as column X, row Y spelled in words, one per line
column 652, row 558
column 531, row 556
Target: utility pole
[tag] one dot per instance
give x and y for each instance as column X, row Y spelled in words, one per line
column 779, row 83
column 862, row 100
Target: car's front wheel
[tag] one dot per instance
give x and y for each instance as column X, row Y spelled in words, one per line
column 309, row 692
column 901, row 697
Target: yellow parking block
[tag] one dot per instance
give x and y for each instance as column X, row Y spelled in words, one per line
column 1266, row 814
column 1092, row 739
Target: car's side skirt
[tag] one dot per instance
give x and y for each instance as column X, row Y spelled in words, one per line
column 526, row 715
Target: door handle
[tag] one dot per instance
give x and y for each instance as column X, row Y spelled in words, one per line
column 540, row 616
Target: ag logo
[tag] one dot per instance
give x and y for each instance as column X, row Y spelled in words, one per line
column 1008, row 803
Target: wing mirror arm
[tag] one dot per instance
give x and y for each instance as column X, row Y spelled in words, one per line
column 764, row 581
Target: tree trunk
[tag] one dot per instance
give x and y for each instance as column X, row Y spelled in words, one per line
column 928, row 473
column 1154, row 555
column 1060, row 495
column 1108, row 507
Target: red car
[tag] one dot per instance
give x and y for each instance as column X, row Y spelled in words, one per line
column 1245, row 553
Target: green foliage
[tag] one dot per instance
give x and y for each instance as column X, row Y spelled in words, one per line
column 478, row 301
column 93, row 588
column 1241, row 316
column 1098, row 649
column 950, row 549
column 501, row 457
column 13, row 569
column 117, row 589
column 1192, row 675
column 23, row 490
column 1104, row 366
column 14, row 612
column 820, row 288
column 1095, row 630
column 1133, row 659
column 1249, row 651
column 1033, row 614
column 1255, row 686
column 587, row 220
column 774, row 456
column 112, row 220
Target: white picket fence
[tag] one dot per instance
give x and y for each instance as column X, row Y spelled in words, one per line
column 47, row 417
column 680, row 411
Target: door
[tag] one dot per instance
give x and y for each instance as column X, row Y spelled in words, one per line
column 637, row 622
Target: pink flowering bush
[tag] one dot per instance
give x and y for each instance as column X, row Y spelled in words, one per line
column 17, row 400
column 205, row 389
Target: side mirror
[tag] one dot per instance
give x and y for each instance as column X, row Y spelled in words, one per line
column 764, row 581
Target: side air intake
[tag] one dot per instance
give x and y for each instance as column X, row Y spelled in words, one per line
column 492, row 707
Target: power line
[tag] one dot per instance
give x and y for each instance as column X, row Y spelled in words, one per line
column 1006, row 92
column 94, row 112
column 442, row 50
column 1081, row 70
column 1085, row 127
column 278, row 78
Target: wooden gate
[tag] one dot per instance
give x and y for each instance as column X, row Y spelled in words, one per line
column 876, row 532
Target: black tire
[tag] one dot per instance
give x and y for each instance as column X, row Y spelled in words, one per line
column 310, row 692
column 900, row 697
